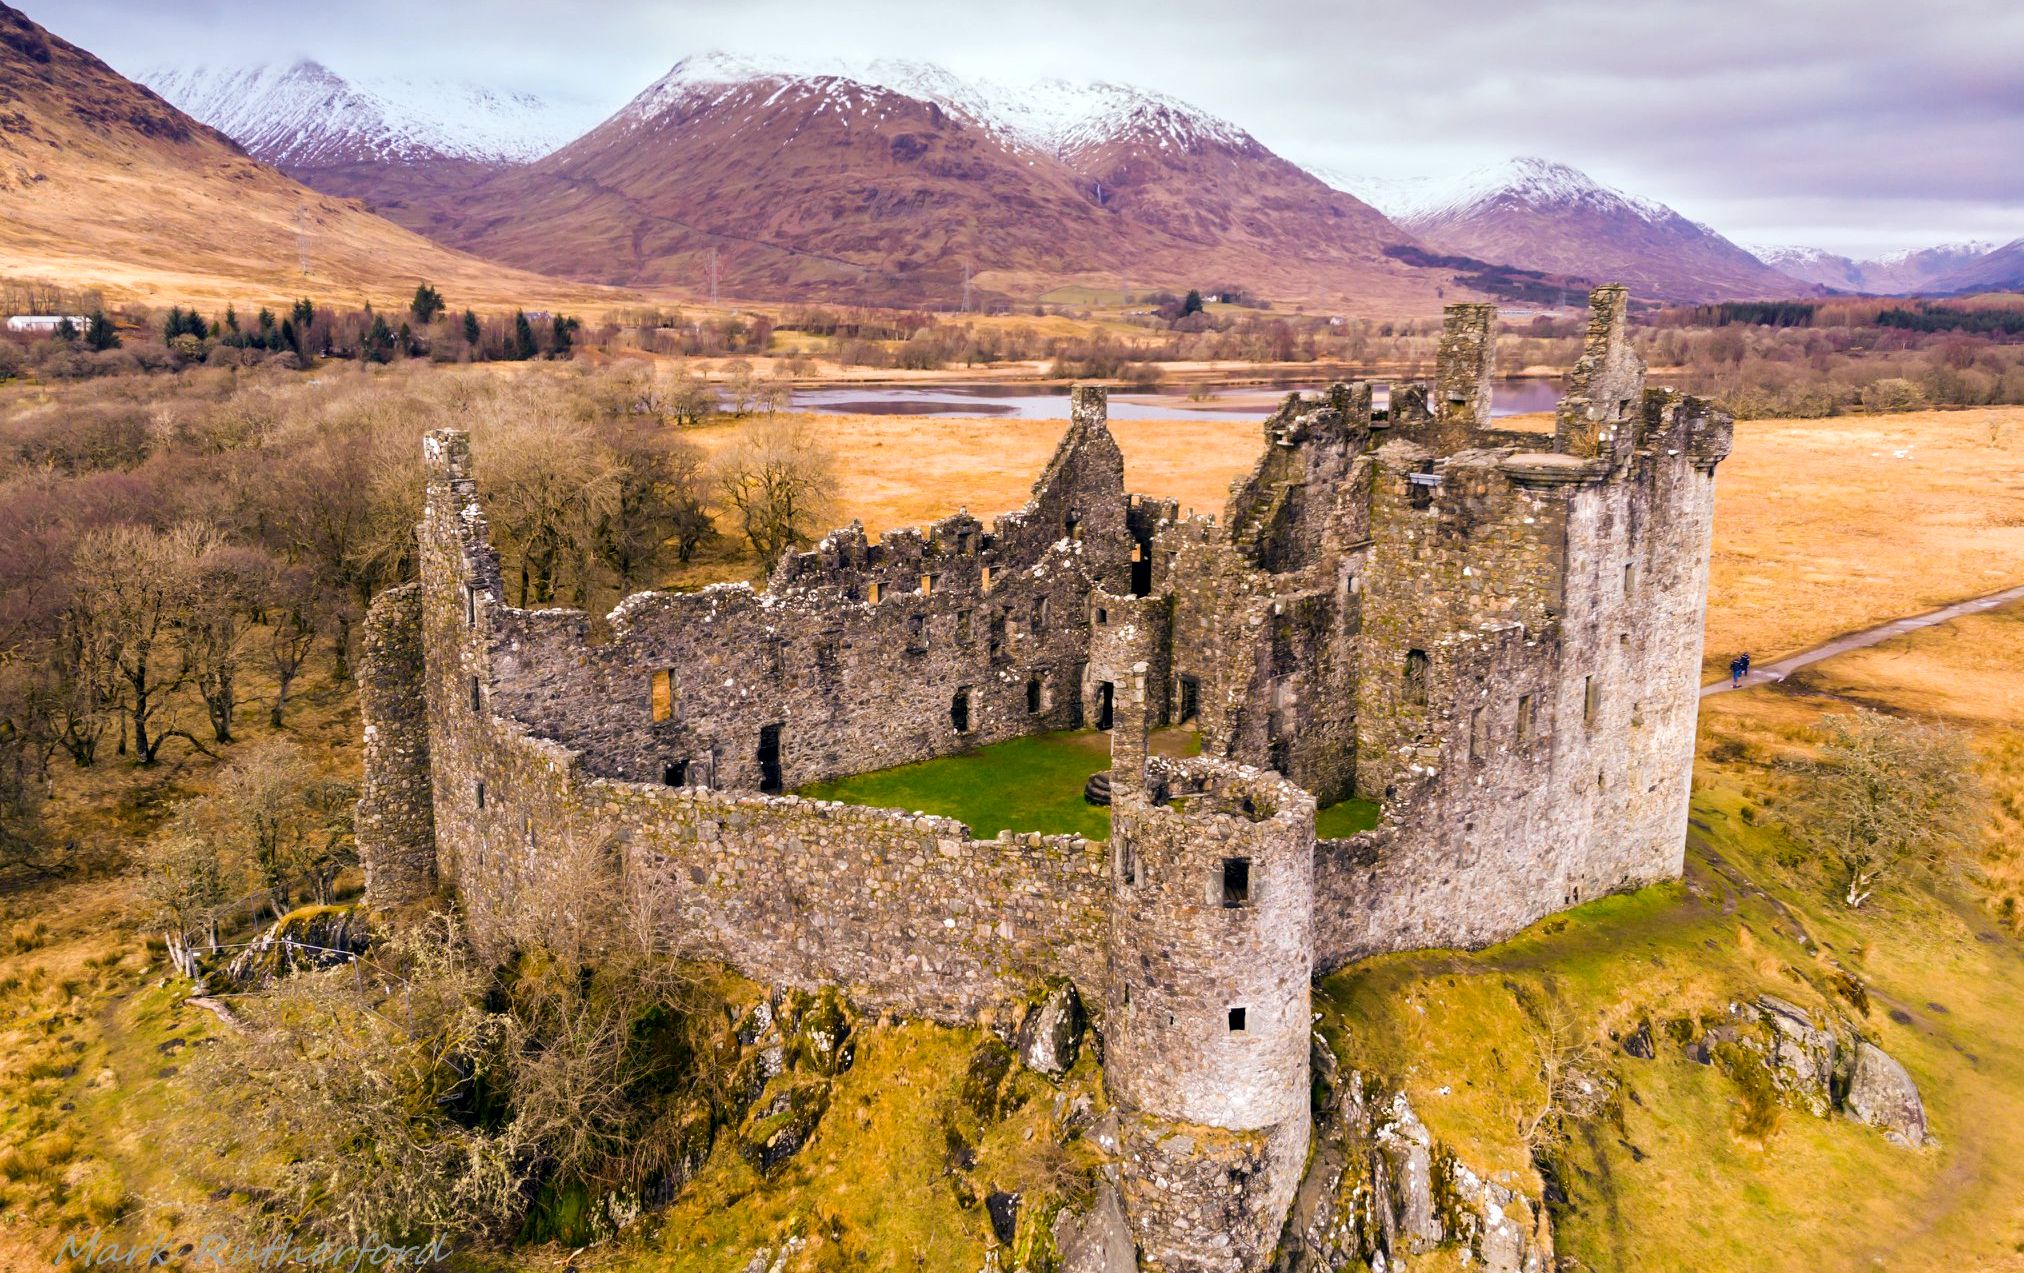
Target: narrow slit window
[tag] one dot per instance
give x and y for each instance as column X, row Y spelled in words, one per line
column 663, row 695
column 1591, row 700
column 1416, row 677
column 984, row 579
column 1478, row 735
column 1236, row 882
column 872, row 594
column 1629, row 577
column 1127, row 864
column 481, row 795
column 477, row 701
column 1524, row 720
column 470, row 606
column 927, row 585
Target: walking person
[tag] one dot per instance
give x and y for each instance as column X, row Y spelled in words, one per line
column 1737, row 666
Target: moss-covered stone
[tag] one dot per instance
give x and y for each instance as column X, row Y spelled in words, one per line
column 783, row 1121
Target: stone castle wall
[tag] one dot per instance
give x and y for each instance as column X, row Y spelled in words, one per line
column 909, row 912
column 858, row 656
column 1496, row 635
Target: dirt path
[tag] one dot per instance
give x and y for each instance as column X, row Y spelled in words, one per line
column 1766, row 673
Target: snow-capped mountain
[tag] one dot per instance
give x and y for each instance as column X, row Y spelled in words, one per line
column 1051, row 115
column 1892, row 274
column 897, row 178
column 1537, row 183
column 305, row 116
column 1538, row 214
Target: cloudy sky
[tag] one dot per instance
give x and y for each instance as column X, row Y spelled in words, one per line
column 1854, row 125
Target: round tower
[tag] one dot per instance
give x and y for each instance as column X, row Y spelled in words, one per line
column 1208, row 1020
column 1212, row 944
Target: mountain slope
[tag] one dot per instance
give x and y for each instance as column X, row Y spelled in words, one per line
column 1897, row 274
column 2001, row 270
column 1543, row 215
column 104, row 183
column 888, row 183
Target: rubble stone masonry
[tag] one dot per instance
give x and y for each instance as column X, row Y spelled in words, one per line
column 1494, row 634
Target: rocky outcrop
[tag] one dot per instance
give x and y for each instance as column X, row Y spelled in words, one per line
column 1882, row 1094
column 1821, row 1065
column 1381, row 1190
column 1097, row 1240
column 783, row 1122
column 308, row 937
column 1050, row 1037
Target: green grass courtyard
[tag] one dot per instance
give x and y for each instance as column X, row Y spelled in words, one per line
column 1032, row 784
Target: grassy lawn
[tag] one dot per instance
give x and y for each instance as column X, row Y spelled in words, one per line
column 1024, row 784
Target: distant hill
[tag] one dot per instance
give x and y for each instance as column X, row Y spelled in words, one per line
column 1543, row 215
column 104, row 183
column 1897, row 274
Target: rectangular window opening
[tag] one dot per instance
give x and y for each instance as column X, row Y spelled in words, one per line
column 675, row 773
column 1478, row 735
column 1236, row 882
column 1236, row 1021
column 1591, row 700
column 1524, row 720
column 477, row 702
column 481, row 795
column 663, row 693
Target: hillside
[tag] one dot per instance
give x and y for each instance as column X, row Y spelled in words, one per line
column 103, row 183
column 1542, row 215
column 890, row 183
column 1896, row 274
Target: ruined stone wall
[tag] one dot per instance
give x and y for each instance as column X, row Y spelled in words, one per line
column 908, row 912
column 396, row 816
column 857, row 657
column 1539, row 753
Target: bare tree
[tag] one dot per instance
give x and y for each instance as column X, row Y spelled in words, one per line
column 1567, row 1075
column 228, row 584
column 547, row 490
column 133, row 588
column 182, row 887
column 277, row 819
column 779, row 479
column 297, row 607
column 1886, row 796
column 659, row 500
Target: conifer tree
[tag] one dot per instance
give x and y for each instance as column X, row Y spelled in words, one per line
column 524, row 346
column 473, row 333
column 99, row 333
column 66, row 331
column 427, row 304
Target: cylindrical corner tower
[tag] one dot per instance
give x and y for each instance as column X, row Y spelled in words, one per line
column 1208, row 1021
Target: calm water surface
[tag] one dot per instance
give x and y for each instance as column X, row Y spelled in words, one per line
column 1041, row 402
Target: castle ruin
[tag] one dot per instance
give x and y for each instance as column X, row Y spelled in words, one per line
column 1495, row 635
